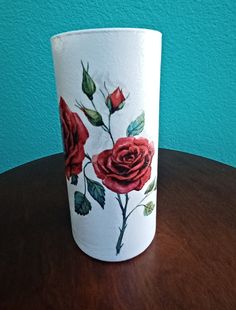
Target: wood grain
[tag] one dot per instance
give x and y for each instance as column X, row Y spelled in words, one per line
column 189, row 265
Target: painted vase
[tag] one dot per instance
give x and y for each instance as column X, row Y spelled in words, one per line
column 107, row 84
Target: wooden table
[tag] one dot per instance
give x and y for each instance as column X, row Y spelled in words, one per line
column 190, row 264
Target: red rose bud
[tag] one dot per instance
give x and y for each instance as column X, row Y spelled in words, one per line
column 93, row 117
column 88, row 85
column 116, row 100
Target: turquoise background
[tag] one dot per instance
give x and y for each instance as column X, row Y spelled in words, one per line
column 198, row 81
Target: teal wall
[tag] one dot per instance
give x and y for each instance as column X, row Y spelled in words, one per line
column 198, row 86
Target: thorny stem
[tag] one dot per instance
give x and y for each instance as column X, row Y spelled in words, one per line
column 125, row 218
column 124, row 224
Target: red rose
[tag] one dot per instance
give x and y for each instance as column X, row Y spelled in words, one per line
column 127, row 166
column 75, row 135
column 115, row 101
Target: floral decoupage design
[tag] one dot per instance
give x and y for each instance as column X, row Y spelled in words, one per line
column 123, row 168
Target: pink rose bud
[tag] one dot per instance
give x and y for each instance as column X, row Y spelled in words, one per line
column 115, row 101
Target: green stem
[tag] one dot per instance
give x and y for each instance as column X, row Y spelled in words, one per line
column 143, row 198
column 139, row 205
column 94, row 105
column 109, row 128
column 119, row 243
column 88, row 157
column 85, row 188
column 103, row 94
column 104, row 127
column 109, row 122
column 113, row 142
column 120, row 202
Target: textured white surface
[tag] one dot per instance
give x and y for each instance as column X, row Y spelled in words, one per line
column 130, row 60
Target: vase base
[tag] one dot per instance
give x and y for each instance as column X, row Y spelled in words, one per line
column 112, row 258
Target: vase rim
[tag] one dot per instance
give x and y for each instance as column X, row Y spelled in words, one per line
column 104, row 30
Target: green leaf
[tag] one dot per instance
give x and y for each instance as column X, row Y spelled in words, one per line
column 136, row 126
column 74, row 179
column 149, row 207
column 82, row 205
column 97, row 191
column 151, row 187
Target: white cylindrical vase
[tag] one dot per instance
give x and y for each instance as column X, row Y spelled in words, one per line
column 108, row 93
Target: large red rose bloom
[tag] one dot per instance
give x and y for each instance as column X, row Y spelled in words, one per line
column 125, row 167
column 75, row 135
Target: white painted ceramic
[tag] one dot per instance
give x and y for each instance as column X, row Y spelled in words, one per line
column 108, row 92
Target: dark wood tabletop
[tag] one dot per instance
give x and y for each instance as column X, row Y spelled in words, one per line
column 191, row 264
